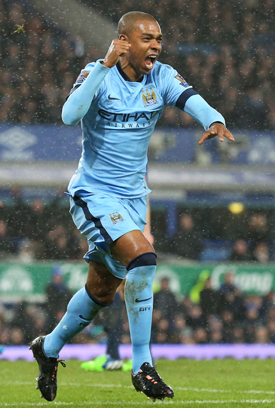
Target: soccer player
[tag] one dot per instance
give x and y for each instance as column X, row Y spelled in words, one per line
column 118, row 101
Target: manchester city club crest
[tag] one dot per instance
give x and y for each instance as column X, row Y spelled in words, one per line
column 149, row 97
column 115, row 217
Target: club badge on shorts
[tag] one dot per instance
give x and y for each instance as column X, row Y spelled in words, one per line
column 115, row 217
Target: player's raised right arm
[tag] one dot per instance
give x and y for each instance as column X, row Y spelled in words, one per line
column 78, row 103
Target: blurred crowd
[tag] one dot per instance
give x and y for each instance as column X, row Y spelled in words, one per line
column 207, row 316
column 35, row 231
column 213, row 316
column 243, row 238
column 41, row 229
column 39, row 65
column 224, row 49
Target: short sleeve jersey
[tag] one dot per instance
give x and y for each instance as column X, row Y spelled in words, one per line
column 117, row 129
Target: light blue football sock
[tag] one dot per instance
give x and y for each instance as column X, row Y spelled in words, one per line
column 139, row 303
column 81, row 310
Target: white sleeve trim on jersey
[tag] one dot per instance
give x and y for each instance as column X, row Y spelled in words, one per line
column 78, row 103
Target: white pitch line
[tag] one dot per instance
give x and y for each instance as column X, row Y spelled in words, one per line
column 83, row 403
column 132, row 403
column 214, row 391
column 265, row 401
column 224, row 391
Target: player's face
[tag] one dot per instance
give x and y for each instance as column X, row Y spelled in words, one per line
column 146, row 45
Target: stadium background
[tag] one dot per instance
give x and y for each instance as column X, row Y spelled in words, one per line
column 212, row 206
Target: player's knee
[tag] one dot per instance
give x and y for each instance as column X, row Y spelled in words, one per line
column 145, row 259
column 101, row 295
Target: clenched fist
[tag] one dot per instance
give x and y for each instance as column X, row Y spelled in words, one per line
column 117, row 49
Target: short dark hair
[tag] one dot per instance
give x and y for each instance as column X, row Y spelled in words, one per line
column 126, row 24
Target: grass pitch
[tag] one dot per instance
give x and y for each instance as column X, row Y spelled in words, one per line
column 217, row 383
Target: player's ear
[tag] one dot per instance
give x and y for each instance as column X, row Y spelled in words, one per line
column 123, row 37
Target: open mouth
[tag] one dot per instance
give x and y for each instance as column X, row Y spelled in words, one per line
column 150, row 61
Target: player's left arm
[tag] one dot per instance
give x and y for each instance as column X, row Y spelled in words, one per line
column 212, row 121
column 179, row 93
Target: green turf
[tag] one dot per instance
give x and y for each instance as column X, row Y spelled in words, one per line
column 217, row 383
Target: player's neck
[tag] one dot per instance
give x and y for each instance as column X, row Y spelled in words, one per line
column 129, row 71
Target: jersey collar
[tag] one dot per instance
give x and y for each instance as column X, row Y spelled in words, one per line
column 124, row 76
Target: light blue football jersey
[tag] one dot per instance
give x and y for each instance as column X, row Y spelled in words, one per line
column 117, row 129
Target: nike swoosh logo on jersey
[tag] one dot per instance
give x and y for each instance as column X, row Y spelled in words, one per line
column 142, row 300
column 113, row 99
